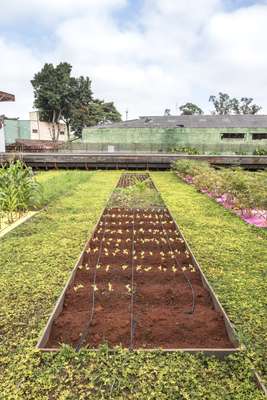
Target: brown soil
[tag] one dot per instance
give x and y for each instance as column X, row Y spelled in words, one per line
column 162, row 299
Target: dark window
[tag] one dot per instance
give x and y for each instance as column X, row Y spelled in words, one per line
column 233, row 136
column 35, row 131
column 259, row 136
column 62, row 133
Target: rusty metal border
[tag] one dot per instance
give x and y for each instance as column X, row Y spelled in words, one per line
column 218, row 352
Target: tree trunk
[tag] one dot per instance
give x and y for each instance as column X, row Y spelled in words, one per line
column 54, row 127
column 68, row 130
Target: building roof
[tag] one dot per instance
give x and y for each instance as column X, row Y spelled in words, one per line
column 193, row 121
column 6, row 96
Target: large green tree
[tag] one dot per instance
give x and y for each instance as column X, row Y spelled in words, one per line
column 224, row 104
column 245, row 106
column 190, row 109
column 60, row 97
column 53, row 93
column 95, row 113
column 82, row 97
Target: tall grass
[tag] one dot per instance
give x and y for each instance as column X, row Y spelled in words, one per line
column 19, row 192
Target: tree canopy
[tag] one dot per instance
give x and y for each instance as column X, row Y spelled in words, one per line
column 190, row 109
column 97, row 112
column 224, row 104
column 61, row 97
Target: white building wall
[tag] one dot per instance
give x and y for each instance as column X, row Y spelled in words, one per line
column 2, row 140
column 43, row 130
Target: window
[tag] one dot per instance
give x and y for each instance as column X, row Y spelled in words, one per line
column 259, row 136
column 232, row 136
column 62, row 133
column 35, row 131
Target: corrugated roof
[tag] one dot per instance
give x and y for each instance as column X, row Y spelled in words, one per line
column 193, row 121
column 6, row 96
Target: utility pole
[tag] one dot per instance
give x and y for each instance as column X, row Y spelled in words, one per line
column 126, row 114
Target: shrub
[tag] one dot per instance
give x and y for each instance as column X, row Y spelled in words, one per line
column 19, row 190
column 260, row 152
column 190, row 167
column 140, row 194
column 185, row 149
column 241, row 189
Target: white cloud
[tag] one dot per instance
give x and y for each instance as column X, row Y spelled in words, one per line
column 17, row 67
column 57, row 9
column 175, row 52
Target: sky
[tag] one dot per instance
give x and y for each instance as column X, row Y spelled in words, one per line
column 145, row 55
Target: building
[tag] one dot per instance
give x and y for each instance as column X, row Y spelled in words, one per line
column 41, row 130
column 209, row 134
column 4, row 97
column 32, row 128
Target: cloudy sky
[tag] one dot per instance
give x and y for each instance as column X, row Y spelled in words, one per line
column 145, row 55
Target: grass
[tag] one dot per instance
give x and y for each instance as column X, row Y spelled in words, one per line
column 35, row 262
column 233, row 256
column 58, row 183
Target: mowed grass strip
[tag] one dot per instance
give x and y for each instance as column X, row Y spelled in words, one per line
column 35, row 261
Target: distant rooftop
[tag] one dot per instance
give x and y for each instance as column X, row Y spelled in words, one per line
column 6, row 96
column 193, row 121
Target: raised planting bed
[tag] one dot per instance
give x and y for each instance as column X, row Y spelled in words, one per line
column 137, row 284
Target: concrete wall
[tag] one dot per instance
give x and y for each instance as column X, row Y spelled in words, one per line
column 43, row 130
column 2, row 139
column 30, row 129
column 16, row 129
column 152, row 139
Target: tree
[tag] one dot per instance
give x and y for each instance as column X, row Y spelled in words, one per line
column 244, row 106
column 224, row 104
column 167, row 112
column 53, row 93
column 81, row 98
column 190, row 109
column 96, row 113
column 60, row 97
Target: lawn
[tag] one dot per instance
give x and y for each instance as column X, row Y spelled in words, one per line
column 35, row 262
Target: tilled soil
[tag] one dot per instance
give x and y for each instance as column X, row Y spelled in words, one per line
column 133, row 283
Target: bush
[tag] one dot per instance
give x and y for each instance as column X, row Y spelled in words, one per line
column 19, row 190
column 185, row 149
column 260, row 152
column 243, row 190
column 140, row 194
column 190, row 167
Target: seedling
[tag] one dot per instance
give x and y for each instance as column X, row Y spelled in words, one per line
column 128, row 287
column 76, row 288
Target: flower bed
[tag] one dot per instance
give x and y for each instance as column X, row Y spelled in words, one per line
column 244, row 193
